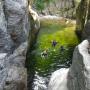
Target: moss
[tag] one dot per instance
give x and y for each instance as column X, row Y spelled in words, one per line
column 64, row 34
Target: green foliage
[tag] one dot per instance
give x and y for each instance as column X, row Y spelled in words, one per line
column 40, row 4
column 65, row 35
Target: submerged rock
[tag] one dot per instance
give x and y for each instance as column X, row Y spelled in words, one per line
column 77, row 76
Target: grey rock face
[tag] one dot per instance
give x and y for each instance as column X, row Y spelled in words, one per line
column 64, row 8
column 2, row 60
column 17, row 75
column 14, row 28
column 16, row 79
column 3, row 70
column 5, row 40
column 77, row 77
column 86, row 31
column 17, row 18
column 13, row 75
column 18, row 57
column 13, row 46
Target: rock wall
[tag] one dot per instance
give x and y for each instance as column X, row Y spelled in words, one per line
column 18, row 30
column 16, row 13
column 83, row 19
column 5, row 39
column 65, row 8
column 77, row 76
column 14, row 28
column 59, row 7
column 35, row 27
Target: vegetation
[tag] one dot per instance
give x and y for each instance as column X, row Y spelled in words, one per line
column 40, row 4
column 64, row 35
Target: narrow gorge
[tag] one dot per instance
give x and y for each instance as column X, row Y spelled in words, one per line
column 44, row 45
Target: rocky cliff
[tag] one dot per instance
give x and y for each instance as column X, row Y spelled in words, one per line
column 83, row 19
column 17, row 24
column 64, row 8
column 77, row 77
column 14, row 26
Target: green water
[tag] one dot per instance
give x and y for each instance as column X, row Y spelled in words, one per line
column 64, row 35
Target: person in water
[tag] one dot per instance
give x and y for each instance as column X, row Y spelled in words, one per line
column 62, row 48
column 54, row 43
column 44, row 54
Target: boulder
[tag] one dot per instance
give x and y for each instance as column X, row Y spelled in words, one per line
column 58, row 80
column 77, row 77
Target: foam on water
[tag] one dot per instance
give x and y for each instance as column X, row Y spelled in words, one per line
column 40, row 83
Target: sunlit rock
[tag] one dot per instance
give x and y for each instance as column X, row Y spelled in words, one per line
column 59, row 80
column 35, row 26
column 35, row 17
